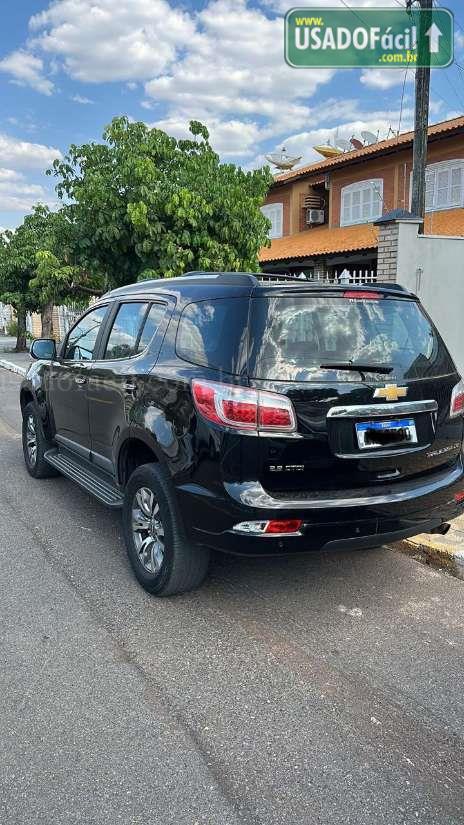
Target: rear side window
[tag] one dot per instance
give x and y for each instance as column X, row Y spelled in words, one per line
column 213, row 334
column 124, row 336
column 293, row 336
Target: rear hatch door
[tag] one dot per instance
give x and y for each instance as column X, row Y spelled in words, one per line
column 370, row 380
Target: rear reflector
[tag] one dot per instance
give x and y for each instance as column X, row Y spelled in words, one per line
column 282, row 527
column 457, row 400
column 362, row 296
column 242, row 408
column 459, row 498
column 288, row 526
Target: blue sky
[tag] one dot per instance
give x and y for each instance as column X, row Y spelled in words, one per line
column 67, row 67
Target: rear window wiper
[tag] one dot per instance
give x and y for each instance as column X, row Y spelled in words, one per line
column 380, row 369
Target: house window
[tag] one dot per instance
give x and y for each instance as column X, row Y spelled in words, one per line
column 362, row 202
column 274, row 212
column 444, row 185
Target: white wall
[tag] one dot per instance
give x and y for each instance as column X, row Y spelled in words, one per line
column 433, row 267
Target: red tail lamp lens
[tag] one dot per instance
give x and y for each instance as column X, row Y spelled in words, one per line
column 363, row 296
column 459, row 498
column 287, row 526
column 243, row 408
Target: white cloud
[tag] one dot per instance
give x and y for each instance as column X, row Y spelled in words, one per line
column 231, row 138
column 234, row 70
column 100, row 40
column 381, row 123
column 24, row 155
column 9, row 175
column 26, row 70
column 85, row 101
column 386, row 78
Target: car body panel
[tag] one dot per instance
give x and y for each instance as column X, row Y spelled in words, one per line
column 222, row 476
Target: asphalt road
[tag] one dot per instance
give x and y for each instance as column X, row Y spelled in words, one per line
column 319, row 690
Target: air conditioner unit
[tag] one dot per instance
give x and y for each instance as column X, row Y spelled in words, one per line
column 314, row 216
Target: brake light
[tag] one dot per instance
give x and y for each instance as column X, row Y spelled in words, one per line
column 364, row 296
column 243, row 408
column 457, row 400
column 459, row 498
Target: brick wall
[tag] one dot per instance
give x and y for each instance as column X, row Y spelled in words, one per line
column 387, row 261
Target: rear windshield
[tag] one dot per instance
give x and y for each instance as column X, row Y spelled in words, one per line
column 298, row 338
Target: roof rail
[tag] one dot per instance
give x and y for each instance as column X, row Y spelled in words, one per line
column 279, row 276
column 237, row 278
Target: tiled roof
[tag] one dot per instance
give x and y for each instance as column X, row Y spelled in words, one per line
column 450, row 222
column 320, row 241
column 375, row 149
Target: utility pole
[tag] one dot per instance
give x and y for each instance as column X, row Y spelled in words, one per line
column 422, row 110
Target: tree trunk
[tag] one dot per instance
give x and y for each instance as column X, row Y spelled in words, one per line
column 47, row 318
column 21, row 345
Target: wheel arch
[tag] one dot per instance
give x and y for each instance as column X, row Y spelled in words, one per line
column 25, row 397
column 134, row 452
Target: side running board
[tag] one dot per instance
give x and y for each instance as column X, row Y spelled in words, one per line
column 86, row 476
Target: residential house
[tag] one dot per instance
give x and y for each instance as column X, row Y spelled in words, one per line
column 323, row 214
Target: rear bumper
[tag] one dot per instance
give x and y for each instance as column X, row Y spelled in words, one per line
column 356, row 520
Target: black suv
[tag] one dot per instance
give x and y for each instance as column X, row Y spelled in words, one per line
column 253, row 415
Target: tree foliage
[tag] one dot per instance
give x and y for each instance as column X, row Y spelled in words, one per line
column 143, row 204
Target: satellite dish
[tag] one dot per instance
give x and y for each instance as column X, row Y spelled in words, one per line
column 283, row 160
column 344, row 145
column 357, row 144
column 369, row 138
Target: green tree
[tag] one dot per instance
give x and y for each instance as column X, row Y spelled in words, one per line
column 18, row 251
column 57, row 279
column 143, row 204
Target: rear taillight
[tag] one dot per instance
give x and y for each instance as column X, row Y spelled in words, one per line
column 243, row 408
column 457, row 400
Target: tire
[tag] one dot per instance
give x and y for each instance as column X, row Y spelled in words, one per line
column 36, row 465
column 162, row 558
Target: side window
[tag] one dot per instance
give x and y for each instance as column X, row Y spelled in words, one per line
column 123, row 341
column 83, row 337
column 213, row 334
column 274, row 212
column 152, row 322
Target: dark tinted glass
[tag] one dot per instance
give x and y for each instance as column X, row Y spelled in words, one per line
column 213, row 333
column 291, row 337
column 124, row 334
column 151, row 325
column 82, row 339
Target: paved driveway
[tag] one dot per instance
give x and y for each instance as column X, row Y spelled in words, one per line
column 319, row 690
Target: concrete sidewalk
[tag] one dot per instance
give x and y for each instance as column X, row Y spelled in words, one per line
column 15, row 361
column 445, row 551
column 9, row 359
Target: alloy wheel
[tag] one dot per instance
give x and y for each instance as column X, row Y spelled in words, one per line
column 31, row 440
column 148, row 530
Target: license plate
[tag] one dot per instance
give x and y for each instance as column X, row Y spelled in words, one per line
column 378, row 434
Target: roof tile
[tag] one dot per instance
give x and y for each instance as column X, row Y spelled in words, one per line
column 323, row 241
column 374, row 149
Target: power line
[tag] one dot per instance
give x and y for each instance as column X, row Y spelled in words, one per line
column 402, row 101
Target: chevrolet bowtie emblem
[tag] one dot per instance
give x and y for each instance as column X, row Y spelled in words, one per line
column 391, row 392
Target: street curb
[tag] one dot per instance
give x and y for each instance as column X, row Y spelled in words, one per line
column 7, row 365
column 439, row 551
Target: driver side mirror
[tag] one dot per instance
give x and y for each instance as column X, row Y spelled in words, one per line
column 43, row 349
